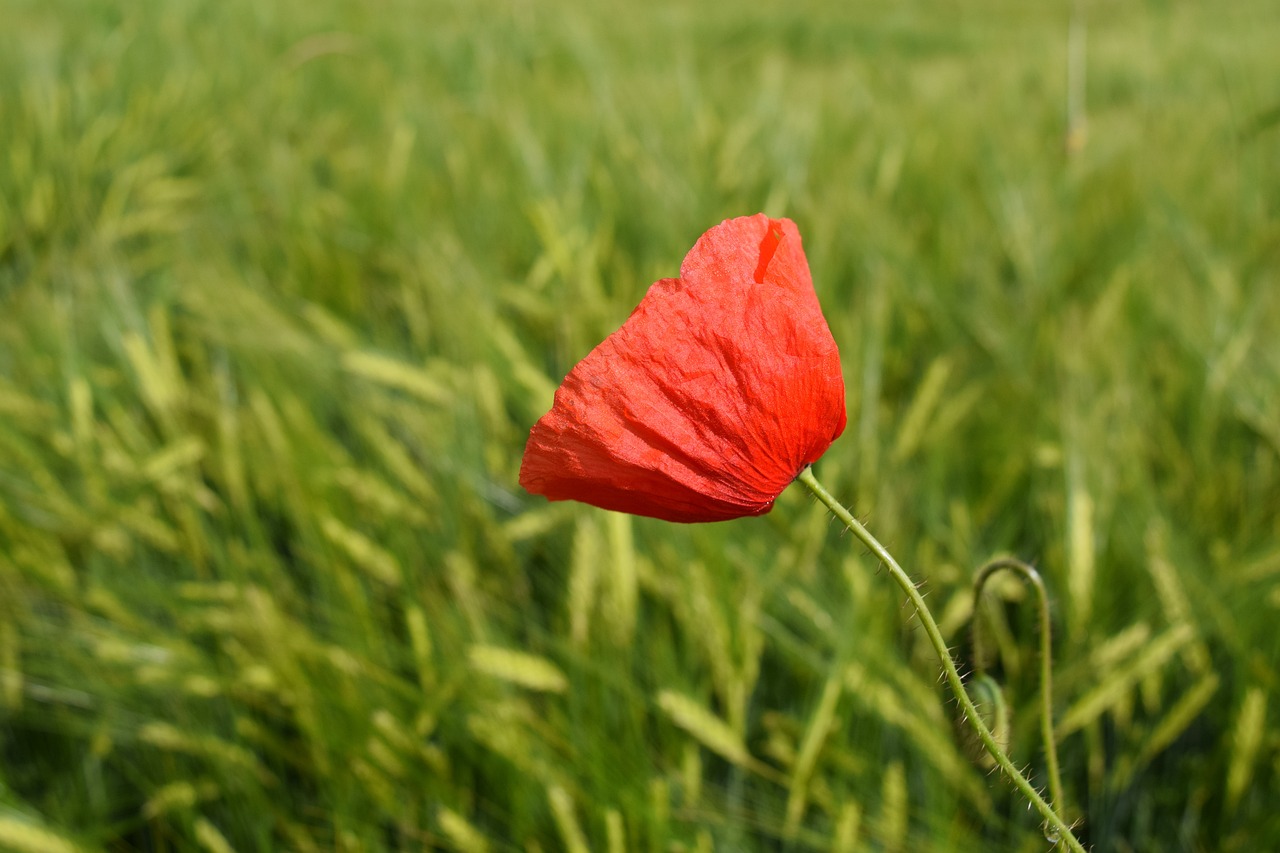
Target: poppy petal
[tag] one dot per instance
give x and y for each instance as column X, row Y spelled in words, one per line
column 715, row 393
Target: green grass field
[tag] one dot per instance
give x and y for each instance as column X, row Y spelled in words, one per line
column 283, row 287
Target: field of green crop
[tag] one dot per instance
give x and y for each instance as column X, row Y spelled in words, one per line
column 283, row 287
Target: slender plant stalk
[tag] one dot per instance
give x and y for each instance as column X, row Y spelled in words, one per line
column 1077, row 118
column 1061, row 831
column 1031, row 576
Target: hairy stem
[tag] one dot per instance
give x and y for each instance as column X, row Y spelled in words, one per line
column 1061, row 832
column 1031, row 576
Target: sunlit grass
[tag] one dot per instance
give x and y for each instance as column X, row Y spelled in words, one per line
column 283, row 287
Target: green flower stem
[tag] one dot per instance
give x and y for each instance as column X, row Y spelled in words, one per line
column 1031, row 576
column 1061, row 832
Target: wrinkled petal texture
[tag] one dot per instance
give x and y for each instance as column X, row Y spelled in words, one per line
column 712, row 397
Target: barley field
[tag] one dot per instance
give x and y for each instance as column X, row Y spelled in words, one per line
column 283, row 287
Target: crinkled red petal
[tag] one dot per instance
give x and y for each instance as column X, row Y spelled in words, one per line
column 716, row 392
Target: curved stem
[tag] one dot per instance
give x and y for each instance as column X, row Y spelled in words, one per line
column 1031, row 576
column 971, row 715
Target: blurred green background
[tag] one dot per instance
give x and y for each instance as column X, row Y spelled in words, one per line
column 284, row 285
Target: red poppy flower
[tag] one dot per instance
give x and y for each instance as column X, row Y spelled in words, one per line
column 713, row 396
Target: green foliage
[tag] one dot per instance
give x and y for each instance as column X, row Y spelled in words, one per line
column 283, row 286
